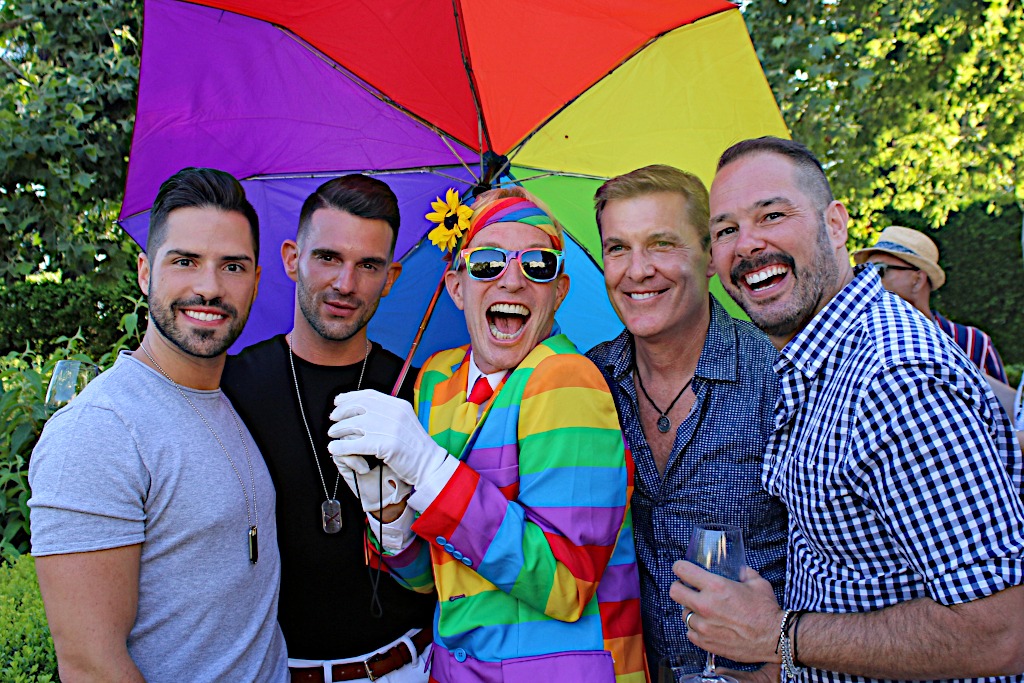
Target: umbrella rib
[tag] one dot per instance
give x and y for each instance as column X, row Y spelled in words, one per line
column 559, row 174
column 369, row 89
column 482, row 131
column 650, row 41
column 474, row 176
column 334, row 174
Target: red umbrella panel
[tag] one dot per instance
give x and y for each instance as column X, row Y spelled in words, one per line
column 431, row 95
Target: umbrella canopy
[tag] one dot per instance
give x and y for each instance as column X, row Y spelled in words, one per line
column 427, row 95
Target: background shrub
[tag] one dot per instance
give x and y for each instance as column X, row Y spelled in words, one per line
column 37, row 314
column 26, row 649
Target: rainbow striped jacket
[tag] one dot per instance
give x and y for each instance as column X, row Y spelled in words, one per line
column 530, row 544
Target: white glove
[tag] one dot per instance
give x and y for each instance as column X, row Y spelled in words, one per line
column 368, row 422
column 367, row 483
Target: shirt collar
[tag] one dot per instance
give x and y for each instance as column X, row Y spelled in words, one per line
column 493, row 378
column 817, row 341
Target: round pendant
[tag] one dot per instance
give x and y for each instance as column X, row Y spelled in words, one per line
column 330, row 514
column 663, row 424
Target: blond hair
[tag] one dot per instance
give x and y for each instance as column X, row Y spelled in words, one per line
column 659, row 178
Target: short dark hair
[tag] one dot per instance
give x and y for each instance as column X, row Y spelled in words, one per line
column 659, row 178
column 808, row 166
column 199, row 188
column 358, row 195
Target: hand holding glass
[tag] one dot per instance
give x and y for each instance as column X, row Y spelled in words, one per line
column 717, row 548
column 67, row 381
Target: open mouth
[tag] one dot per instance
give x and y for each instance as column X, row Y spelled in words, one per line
column 507, row 321
column 766, row 278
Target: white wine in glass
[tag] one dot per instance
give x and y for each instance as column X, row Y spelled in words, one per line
column 717, row 548
column 67, row 381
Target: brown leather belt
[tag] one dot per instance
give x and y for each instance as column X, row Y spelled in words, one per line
column 380, row 664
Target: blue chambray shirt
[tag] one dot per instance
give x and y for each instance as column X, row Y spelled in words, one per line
column 896, row 462
column 713, row 473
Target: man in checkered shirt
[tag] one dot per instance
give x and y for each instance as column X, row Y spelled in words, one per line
column 893, row 457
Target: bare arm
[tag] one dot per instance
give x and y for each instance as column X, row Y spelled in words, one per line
column 91, row 601
column 919, row 639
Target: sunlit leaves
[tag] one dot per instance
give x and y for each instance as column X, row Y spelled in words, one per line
column 68, row 75
column 913, row 106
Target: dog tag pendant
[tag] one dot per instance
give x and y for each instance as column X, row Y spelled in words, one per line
column 254, row 545
column 663, row 424
column 330, row 513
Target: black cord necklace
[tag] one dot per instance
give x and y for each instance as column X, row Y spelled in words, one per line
column 664, row 424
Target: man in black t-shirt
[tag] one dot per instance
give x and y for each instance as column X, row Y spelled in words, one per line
column 341, row 620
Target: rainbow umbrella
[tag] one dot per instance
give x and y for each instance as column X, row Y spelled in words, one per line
column 428, row 95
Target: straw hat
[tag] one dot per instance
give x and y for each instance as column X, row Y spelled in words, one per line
column 911, row 246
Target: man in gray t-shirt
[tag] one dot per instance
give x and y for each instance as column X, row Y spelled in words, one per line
column 153, row 514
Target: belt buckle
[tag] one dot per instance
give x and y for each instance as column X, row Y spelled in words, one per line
column 375, row 658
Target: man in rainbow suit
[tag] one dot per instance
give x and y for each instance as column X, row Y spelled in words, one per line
column 520, row 514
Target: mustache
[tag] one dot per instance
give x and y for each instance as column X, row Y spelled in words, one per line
column 217, row 303
column 762, row 260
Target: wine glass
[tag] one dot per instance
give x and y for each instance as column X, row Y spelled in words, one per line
column 67, row 381
column 717, row 548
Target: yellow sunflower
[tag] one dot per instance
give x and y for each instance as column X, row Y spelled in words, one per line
column 452, row 220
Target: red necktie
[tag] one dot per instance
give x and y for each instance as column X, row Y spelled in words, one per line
column 481, row 391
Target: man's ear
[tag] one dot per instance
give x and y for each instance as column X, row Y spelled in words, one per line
column 453, row 283
column 143, row 269
column 921, row 282
column 290, row 259
column 837, row 220
column 561, row 289
column 394, row 270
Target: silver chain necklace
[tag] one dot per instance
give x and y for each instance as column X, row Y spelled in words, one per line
column 254, row 547
column 330, row 509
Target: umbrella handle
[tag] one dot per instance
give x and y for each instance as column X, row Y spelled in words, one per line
column 419, row 335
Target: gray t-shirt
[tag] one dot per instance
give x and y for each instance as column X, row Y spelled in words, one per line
column 128, row 461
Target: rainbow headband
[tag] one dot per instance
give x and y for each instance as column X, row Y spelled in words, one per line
column 513, row 210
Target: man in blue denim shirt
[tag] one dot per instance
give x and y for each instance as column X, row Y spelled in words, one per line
column 694, row 388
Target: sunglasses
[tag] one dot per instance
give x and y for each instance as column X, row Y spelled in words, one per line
column 883, row 267
column 489, row 263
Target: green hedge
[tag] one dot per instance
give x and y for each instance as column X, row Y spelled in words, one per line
column 38, row 313
column 26, row 649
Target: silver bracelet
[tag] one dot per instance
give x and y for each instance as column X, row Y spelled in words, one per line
column 789, row 667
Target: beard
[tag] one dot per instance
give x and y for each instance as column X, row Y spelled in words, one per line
column 198, row 343
column 783, row 319
column 333, row 330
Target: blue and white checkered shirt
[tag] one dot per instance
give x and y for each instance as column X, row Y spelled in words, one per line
column 895, row 461
column 713, row 473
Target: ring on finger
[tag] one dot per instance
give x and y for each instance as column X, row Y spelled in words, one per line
column 687, row 620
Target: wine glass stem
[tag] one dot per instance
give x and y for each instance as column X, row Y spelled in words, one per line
column 709, row 667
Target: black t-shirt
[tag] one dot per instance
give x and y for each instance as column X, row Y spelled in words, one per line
column 325, row 605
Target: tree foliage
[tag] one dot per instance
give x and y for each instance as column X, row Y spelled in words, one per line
column 68, row 76
column 912, row 106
